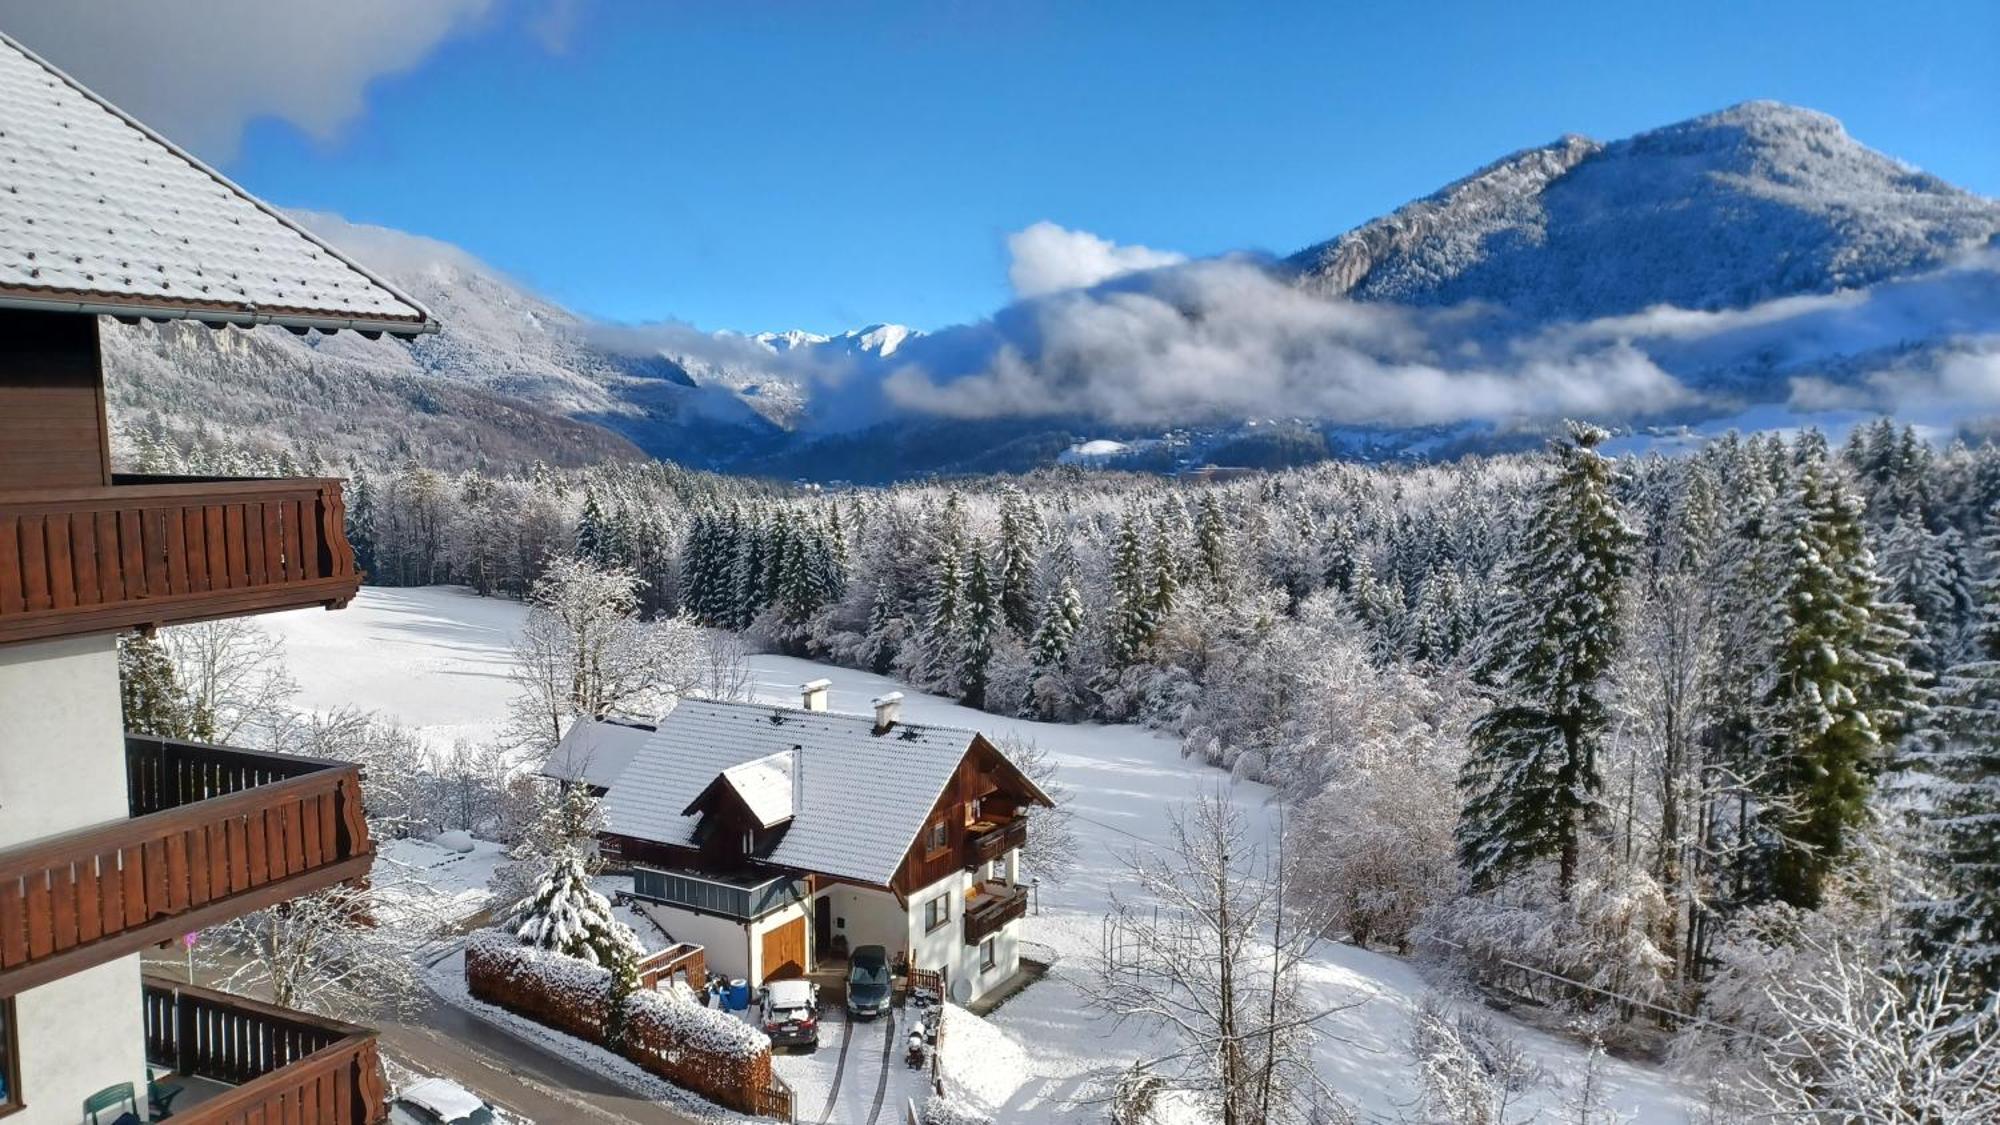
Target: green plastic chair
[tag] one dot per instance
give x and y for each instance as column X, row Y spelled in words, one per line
column 118, row 1098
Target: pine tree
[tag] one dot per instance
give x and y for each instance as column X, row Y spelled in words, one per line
column 1532, row 779
column 1959, row 760
column 1838, row 687
column 1062, row 619
column 1923, row 571
column 1131, row 622
column 981, row 618
column 1020, row 530
column 155, row 702
column 360, row 520
column 1211, row 541
column 567, row 915
column 593, row 535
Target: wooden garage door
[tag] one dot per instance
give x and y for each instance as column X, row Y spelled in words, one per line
column 785, row 951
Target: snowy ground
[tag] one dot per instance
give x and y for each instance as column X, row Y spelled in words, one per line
column 453, row 884
column 436, row 659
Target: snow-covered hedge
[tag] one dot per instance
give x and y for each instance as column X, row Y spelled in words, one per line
column 668, row 1033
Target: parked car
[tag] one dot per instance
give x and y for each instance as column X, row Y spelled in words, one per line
column 868, row 982
column 790, row 1013
column 438, row 1101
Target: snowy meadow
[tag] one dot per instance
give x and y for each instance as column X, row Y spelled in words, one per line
column 435, row 660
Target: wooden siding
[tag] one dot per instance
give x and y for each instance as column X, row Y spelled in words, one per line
column 284, row 1066
column 52, row 428
column 214, row 834
column 150, row 551
column 982, row 775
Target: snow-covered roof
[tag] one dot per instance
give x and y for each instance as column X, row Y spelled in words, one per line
column 99, row 214
column 596, row 753
column 764, row 785
column 861, row 797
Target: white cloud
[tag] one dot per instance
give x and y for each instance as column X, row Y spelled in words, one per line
column 198, row 73
column 1227, row 339
column 1047, row 258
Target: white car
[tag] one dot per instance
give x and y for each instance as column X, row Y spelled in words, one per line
column 439, row 1101
column 790, row 1011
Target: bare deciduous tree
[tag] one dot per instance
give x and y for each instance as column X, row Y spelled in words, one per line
column 346, row 951
column 1209, row 949
column 234, row 672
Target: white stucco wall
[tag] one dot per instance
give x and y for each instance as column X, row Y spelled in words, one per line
column 945, row 948
column 870, row 917
column 726, row 943
column 62, row 766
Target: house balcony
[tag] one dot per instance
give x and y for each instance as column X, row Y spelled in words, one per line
column 213, row 834
column 150, row 551
column 742, row 896
column 989, row 840
column 236, row 1061
column 995, row 905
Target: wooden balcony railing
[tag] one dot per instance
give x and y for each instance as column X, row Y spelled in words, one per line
column 214, row 834
column 984, row 845
column 150, row 551
column 282, row 1066
column 986, row 914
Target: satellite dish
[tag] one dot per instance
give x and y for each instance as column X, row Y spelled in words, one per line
column 961, row 991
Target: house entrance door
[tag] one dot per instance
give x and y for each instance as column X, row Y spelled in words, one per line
column 822, row 926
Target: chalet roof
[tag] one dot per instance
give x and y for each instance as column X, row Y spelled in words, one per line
column 596, row 753
column 99, row 214
column 861, row 797
column 765, row 786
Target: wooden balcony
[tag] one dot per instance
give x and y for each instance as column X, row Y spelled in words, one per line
column 214, row 834
column 151, row 551
column 988, row 841
column 241, row 1062
column 994, row 907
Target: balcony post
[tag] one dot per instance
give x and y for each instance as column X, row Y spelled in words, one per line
column 1013, row 868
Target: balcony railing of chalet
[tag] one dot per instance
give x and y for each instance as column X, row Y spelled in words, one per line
column 992, row 909
column 282, row 1066
column 984, row 844
column 150, row 551
column 213, row 834
column 743, row 898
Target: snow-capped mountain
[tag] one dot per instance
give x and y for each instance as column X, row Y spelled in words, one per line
column 1751, row 257
column 1758, row 201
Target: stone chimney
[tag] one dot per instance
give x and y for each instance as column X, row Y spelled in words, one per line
column 812, row 696
column 888, row 709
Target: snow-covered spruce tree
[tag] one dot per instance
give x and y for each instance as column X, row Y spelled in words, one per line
column 154, row 700
column 1061, row 621
column 1924, row 571
column 1131, row 622
column 1532, row 779
column 1211, row 542
column 566, row 915
column 1837, row 690
column 566, row 820
column 1957, row 928
column 1020, row 535
column 976, row 629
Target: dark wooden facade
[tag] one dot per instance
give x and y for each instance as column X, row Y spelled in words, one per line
column 214, row 834
column 52, row 424
column 987, row 782
column 284, row 1066
column 985, row 915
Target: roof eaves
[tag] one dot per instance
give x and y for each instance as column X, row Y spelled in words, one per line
column 424, row 322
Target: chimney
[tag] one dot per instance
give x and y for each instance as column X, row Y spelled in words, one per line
column 812, row 696
column 887, row 709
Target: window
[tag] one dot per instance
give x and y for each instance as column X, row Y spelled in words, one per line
column 10, row 1059
column 989, row 954
column 937, row 912
column 940, row 837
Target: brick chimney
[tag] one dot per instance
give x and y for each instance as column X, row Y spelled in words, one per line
column 888, row 709
column 812, row 696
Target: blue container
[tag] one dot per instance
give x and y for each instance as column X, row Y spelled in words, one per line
column 739, row 995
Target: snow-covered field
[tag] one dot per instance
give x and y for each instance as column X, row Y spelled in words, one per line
column 436, row 659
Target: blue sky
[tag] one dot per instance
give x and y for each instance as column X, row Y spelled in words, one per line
column 824, row 165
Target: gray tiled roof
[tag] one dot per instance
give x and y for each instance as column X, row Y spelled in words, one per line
column 99, row 214
column 596, row 753
column 862, row 797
